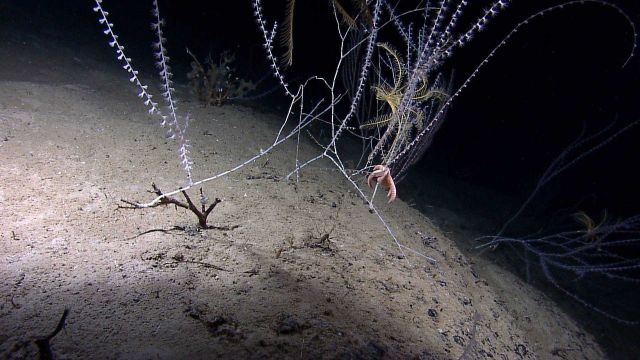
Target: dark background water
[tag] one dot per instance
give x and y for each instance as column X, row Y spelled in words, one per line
column 559, row 75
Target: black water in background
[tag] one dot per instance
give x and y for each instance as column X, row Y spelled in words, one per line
column 558, row 76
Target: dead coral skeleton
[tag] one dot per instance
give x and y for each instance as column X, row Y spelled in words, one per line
column 202, row 214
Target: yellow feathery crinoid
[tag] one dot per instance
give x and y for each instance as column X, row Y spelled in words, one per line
column 394, row 88
column 389, row 95
column 286, row 37
column 424, row 93
column 398, row 69
column 392, row 94
column 379, row 121
column 361, row 12
column 591, row 228
column 344, row 15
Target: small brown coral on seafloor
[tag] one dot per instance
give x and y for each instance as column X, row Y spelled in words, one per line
column 382, row 174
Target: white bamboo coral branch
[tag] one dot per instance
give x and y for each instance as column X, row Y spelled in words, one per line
column 175, row 130
column 114, row 43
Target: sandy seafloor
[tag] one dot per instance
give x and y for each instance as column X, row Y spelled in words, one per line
column 74, row 140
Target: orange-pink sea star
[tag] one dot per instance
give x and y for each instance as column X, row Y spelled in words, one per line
column 382, row 174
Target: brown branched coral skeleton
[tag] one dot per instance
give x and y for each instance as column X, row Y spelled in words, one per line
column 202, row 214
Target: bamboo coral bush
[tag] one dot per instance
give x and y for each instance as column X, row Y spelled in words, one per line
column 583, row 249
column 404, row 78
